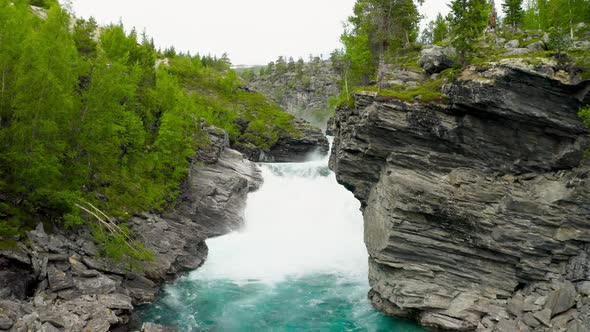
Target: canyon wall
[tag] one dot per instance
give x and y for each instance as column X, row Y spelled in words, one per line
column 477, row 209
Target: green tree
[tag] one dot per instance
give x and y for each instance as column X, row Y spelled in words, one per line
column 513, row 13
column 469, row 20
column 85, row 36
column 281, row 65
column 441, row 29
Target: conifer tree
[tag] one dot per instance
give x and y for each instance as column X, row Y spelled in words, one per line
column 469, row 19
column 514, row 13
column 440, row 30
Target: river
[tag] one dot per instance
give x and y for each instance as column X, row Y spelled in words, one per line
column 299, row 264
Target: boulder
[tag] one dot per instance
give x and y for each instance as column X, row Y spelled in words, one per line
column 514, row 43
column 561, row 299
column 153, row 327
column 518, row 51
column 435, row 59
column 537, row 46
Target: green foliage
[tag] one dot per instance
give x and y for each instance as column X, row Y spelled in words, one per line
column 584, row 113
column 121, row 247
column 564, row 14
column 424, row 93
column 84, row 36
column 469, row 19
column 441, row 29
column 87, row 119
column 513, row 13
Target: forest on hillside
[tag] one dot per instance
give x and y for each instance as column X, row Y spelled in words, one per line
column 95, row 122
column 388, row 32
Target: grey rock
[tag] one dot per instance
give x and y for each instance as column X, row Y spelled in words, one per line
column 97, row 325
column 15, row 279
column 530, row 320
column 96, row 285
column 435, row 59
column 58, row 279
column 462, row 203
column 116, row 301
column 582, row 44
column 543, row 316
column 5, row 323
column 516, row 305
column 561, row 299
column 512, row 44
column 518, row 51
column 583, row 288
column 48, row 327
column 537, row 46
column 153, row 327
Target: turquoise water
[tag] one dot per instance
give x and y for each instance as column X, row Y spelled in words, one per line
column 299, row 264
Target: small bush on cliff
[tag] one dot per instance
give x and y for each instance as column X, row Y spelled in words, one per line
column 584, row 113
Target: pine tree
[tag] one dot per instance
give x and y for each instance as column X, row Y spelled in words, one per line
column 514, row 13
column 469, row 19
column 440, row 30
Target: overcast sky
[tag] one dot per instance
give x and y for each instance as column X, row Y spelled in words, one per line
column 251, row 32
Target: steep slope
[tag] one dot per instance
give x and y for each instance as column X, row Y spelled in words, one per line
column 476, row 210
column 302, row 90
column 74, row 290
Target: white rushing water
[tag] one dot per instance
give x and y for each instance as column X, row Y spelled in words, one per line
column 300, row 222
column 299, row 264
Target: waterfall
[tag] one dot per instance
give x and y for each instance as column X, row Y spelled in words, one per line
column 299, row 264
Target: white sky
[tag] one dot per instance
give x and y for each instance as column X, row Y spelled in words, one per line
column 250, row 31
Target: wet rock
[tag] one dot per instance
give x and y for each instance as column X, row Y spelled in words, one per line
column 436, row 59
column 152, row 327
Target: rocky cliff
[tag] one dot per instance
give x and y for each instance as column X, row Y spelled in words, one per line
column 291, row 148
column 477, row 210
column 303, row 90
column 56, row 282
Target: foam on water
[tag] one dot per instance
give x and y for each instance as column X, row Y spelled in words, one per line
column 299, row 264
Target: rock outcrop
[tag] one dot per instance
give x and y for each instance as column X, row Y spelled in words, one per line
column 64, row 286
column 294, row 148
column 435, row 59
column 303, row 91
column 477, row 212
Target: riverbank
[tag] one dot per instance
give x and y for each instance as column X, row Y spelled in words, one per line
column 55, row 282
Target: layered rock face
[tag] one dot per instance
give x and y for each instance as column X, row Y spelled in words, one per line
column 74, row 290
column 293, row 149
column 477, row 212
